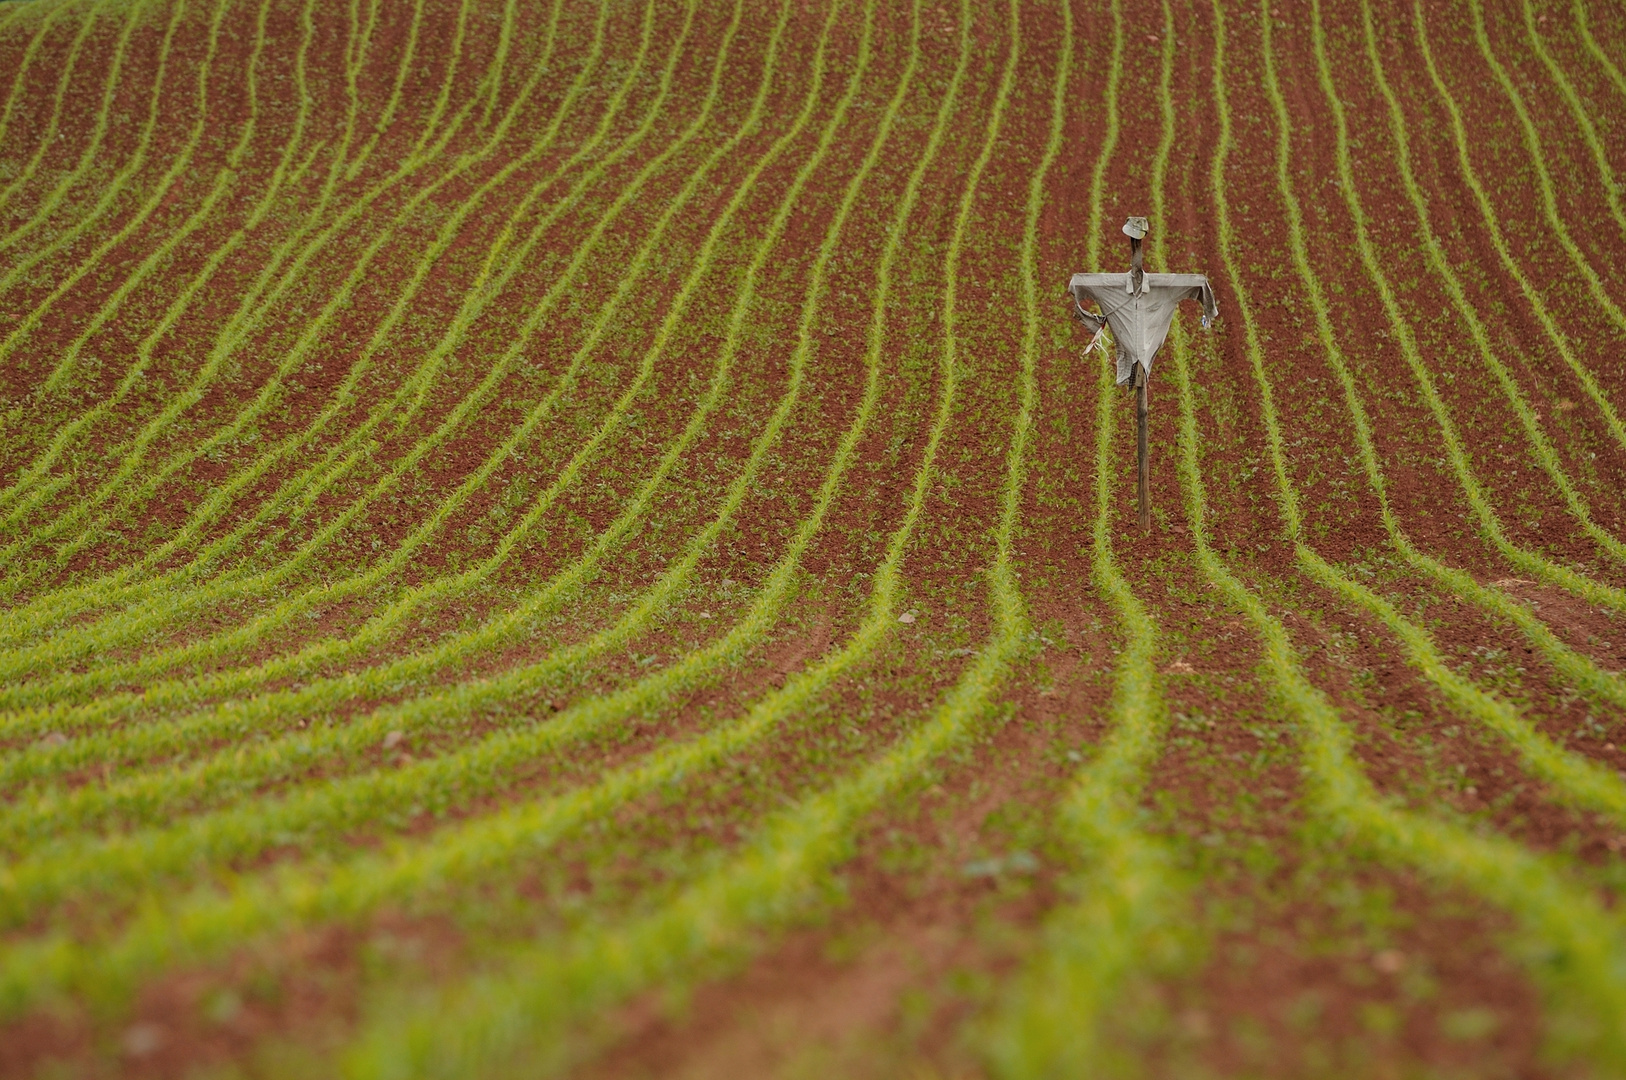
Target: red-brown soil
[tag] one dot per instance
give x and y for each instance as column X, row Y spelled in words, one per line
column 1303, row 956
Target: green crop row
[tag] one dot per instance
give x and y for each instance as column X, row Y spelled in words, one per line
column 1570, row 773
column 26, row 622
column 454, row 56
column 1539, row 443
column 20, row 272
column 1582, row 671
column 215, row 505
column 486, row 842
column 529, row 1005
column 437, row 708
column 516, row 619
column 491, row 81
column 224, row 185
column 205, row 772
column 125, row 627
column 1581, row 946
column 1594, row 591
column 1125, row 895
column 224, row 182
column 1488, row 217
column 379, row 626
column 171, row 588
column 129, row 626
column 1544, row 179
column 1599, row 684
column 124, row 496
column 352, row 169
column 1583, row 23
column 279, row 253
column 1589, row 130
column 87, row 23
column 42, row 26
column 133, row 16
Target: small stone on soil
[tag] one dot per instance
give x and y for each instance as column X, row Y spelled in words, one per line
column 393, row 739
column 143, row 1039
column 1389, row 961
column 907, row 617
column 1195, row 1024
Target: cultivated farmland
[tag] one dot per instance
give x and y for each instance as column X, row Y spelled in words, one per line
column 547, row 538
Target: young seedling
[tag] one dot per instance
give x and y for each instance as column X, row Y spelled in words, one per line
column 1139, row 308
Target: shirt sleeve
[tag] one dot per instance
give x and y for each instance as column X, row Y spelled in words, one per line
column 1092, row 323
column 1191, row 287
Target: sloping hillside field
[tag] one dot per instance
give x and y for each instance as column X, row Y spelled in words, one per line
column 546, row 538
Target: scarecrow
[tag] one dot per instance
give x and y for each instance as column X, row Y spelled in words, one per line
column 1139, row 308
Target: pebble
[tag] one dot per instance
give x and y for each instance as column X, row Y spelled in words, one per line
column 144, row 1039
column 907, row 617
column 393, row 739
column 1195, row 1023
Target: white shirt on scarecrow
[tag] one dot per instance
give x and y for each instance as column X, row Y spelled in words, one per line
column 1138, row 306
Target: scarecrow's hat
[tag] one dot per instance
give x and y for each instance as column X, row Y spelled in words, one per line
column 1135, row 228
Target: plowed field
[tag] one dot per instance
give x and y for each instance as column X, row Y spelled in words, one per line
column 548, row 538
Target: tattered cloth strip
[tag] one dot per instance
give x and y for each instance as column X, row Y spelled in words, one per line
column 1139, row 317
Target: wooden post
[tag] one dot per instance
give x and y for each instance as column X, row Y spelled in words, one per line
column 1143, row 460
